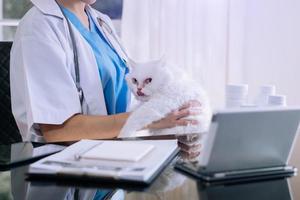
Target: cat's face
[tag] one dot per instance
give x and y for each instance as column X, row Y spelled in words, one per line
column 145, row 79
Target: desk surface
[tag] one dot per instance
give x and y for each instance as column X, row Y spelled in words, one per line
column 169, row 185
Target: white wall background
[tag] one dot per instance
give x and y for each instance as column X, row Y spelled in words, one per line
column 261, row 38
column 265, row 45
column 192, row 34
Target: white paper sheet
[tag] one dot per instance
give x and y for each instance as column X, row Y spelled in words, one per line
column 118, row 151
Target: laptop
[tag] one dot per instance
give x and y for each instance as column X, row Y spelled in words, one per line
column 247, row 144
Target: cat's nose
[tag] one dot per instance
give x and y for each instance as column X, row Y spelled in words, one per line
column 139, row 89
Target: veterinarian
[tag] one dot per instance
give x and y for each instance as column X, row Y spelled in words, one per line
column 67, row 75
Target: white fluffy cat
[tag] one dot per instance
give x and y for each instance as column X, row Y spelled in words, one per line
column 162, row 88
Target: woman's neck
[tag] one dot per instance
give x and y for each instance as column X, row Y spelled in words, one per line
column 78, row 8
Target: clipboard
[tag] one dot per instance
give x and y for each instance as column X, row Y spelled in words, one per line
column 141, row 173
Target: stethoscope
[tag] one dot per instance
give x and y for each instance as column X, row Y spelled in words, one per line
column 106, row 28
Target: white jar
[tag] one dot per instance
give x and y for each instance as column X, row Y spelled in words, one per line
column 276, row 100
column 236, row 95
column 264, row 92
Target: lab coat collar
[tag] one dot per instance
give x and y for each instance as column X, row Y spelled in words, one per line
column 110, row 35
column 48, row 7
column 96, row 14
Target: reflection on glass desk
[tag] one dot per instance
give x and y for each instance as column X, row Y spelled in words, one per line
column 23, row 153
column 277, row 189
column 169, row 185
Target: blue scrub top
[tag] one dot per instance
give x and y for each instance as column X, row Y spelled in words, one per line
column 112, row 69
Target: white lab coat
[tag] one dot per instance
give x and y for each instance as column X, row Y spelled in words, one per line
column 42, row 74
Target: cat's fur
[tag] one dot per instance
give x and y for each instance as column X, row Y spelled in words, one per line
column 168, row 89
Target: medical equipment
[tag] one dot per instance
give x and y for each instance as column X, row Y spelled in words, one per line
column 106, row 27
column 110, row 31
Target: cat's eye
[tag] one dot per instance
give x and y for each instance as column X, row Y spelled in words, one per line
column 134, row 81
column 148, row 80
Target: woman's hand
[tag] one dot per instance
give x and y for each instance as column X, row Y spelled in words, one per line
column 189, row 144
column 176, row 118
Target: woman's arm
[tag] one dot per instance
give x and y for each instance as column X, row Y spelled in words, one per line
column 176, row 118
column 104, row 127
column 85, row 127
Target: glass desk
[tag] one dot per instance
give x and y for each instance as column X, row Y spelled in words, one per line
column 170, row 184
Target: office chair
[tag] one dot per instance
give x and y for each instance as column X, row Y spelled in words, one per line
column 9, row 132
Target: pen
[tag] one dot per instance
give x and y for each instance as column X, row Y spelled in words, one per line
column 78, row 156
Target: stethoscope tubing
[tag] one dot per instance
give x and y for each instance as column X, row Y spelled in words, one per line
column 106, row 27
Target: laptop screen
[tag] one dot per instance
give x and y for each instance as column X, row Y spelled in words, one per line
column 252, row 138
